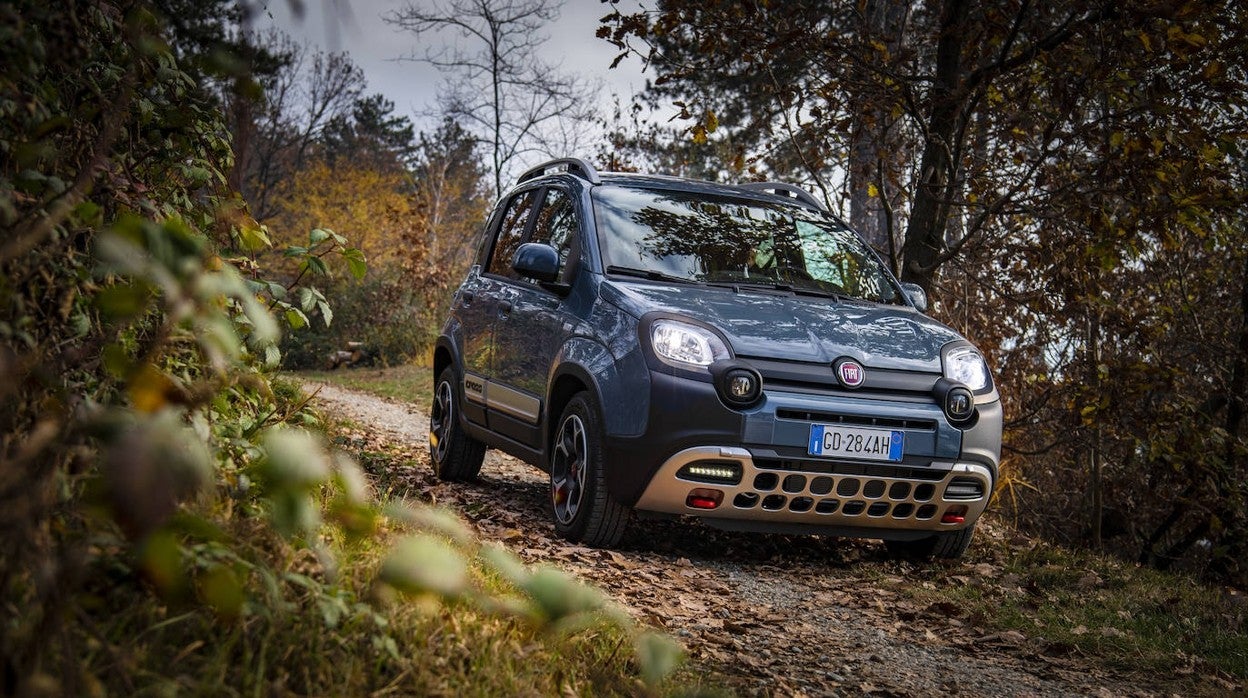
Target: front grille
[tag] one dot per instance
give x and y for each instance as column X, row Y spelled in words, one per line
column 853, row 496
column 818, row 378
column 857, row 420
column 838, row 468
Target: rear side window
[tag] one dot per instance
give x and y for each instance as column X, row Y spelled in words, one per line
column 510, row 234
column 556, row 224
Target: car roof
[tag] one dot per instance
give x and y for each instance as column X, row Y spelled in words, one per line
column 760, row 191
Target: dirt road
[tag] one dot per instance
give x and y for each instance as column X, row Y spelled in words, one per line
column 765, row 614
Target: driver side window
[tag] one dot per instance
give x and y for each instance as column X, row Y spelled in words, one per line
column 556, row 225
column 510, row 234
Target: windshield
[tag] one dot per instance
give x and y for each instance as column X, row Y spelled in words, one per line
column 715, row 239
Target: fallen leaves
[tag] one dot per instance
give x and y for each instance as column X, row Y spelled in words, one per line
column 778, row 615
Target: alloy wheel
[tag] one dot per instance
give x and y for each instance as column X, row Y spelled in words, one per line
column 567, row 469
column 441, row 419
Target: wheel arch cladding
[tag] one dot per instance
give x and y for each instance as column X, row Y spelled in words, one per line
column 562, row 389
column 442, row 357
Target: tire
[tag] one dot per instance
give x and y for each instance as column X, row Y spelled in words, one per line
column 455, row 455
column 950, row 545
column 583, row 509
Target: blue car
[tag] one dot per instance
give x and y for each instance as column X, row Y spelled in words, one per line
column 663, row 346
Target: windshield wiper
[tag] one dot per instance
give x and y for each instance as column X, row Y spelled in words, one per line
column 648, row 274
column 785, row 286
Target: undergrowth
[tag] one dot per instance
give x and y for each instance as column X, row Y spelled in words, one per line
column 405, row 602
column 1066, row 602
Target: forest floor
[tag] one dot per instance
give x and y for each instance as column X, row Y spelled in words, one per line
column 799, row 615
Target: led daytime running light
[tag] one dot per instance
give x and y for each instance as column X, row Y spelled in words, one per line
column 713, row 471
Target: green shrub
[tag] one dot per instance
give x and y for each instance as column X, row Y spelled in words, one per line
column 170, row 522
column 381, row 311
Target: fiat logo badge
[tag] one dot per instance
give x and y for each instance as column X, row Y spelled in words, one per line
column 850, row 373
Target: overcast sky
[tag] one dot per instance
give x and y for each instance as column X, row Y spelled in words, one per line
column 357, row 27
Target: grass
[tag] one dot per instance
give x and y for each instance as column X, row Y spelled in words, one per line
column 255, row 614
column 347, row 637
column 406, row 383
column 1129, row 617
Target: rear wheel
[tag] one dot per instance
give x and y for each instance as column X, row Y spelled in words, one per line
column 584, row 510
column 455, row 455
column 949, row 545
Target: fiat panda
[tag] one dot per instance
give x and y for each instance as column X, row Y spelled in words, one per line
column 736, row 353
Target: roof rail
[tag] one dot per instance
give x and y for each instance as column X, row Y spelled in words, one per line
column 574, row 166
column 785, row 190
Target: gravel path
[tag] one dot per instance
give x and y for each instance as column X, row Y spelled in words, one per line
column 765, row 614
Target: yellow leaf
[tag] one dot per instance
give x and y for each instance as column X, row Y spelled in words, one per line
column 253, row 238
column 425, row 565
column 712, row 121
column 872, row 191
column 149, row 389
column 699, row 134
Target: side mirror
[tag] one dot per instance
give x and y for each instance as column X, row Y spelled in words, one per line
column 916, row 295
column 535, row 260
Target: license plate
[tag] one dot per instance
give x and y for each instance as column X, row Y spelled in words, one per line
column 852, row 442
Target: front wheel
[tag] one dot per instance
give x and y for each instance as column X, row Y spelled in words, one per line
column 456, row 456
column 584, row 510
column 948, row 545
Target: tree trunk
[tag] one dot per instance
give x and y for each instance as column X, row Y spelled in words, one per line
column 1232, row 475
column 1094, row 452
column 875, row 154
column 925, row 232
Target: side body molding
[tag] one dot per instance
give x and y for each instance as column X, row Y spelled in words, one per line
column 499, row 397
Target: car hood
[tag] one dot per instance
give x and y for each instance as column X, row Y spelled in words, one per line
column 771, row 325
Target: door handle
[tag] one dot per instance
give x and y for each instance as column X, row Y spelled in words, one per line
column 468, row 297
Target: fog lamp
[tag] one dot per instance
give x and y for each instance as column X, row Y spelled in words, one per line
column 959, row 404
column 737, row 383
column 957, row 401
column 741, row 386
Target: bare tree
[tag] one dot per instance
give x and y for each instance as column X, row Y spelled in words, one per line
column 272, row 141
column 497, row 88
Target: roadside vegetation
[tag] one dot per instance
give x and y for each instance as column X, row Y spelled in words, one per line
column 1025, row 593
column 174, row 518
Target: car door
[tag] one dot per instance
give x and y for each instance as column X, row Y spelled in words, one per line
column 477, row 304
column 532, row 324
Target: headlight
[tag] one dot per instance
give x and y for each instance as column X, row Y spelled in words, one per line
column 684, row 345
column 965, row 365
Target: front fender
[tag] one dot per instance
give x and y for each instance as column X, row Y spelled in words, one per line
column 621, row 386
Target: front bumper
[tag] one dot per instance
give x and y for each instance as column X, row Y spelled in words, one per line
column 944, row 481
column 944, row 496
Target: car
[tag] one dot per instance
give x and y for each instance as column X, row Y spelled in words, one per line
column 662, row 346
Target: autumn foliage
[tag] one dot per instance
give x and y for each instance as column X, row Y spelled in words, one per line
column 1066, row 179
